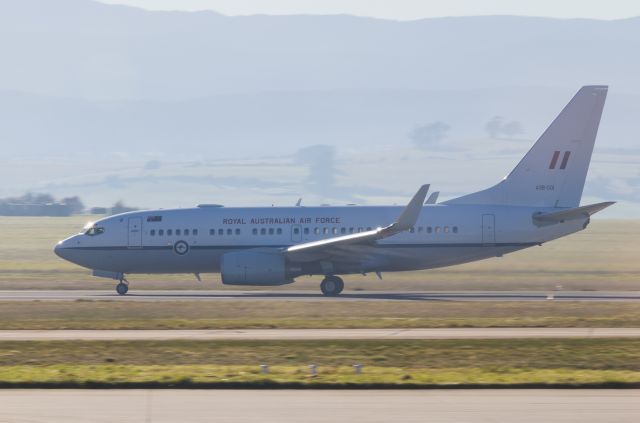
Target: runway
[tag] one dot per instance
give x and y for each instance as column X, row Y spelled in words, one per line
column 315, row 334
column 354, row 406
column 223, row 295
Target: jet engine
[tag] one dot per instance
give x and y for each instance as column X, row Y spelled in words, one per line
column 254, row 268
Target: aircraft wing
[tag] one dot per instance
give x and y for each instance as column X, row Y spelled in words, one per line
column 568, row 214
column 315, row 249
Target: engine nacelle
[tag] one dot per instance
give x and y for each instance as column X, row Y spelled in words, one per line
column 253, row 268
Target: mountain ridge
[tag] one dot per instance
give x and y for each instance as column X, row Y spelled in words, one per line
column 101, row 51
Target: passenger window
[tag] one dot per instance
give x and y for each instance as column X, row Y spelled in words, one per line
column 270, row 231
column 263, row 231
column 153, row 232
column 334, row 230
column 325, row 230
column 212, row 232
column 237, row 231
column 178, row 232
column 186, row 232
column 446, row 229
column 279, row 231
column 455, row 229
column 360, row 229
column 220, row 232
column 160, row 232
column 343, row 230
column 437, row 229
column 169, row 232
column 429, row 229
column 351, row 230
column 229, row 231
column 296, row 231
column 255, row 231
column 412, row 230
column 306, row 231
column 316, row 231
column 195, row 232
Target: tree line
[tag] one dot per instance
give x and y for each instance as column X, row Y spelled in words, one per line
column 35, row 204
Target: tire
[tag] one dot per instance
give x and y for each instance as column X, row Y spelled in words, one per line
column 332, row 286
column 122, row 288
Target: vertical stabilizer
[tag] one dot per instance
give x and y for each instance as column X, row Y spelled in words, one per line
column 553, row 172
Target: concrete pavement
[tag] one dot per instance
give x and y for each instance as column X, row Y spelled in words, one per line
column 320, row 406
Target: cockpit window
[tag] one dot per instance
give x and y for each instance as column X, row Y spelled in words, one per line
column 94, row 230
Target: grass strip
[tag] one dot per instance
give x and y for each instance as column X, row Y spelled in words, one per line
column 213, row 376
column 387, row 363
column 621, row 354
column 257, row 314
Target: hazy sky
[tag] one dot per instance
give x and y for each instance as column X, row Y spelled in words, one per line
column 405, row 9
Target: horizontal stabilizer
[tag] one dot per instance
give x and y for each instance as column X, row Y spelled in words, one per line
column 569, row 214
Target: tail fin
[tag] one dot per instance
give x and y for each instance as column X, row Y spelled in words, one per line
column 553, row 172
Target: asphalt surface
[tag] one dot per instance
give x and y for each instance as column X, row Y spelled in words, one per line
column 316, row 334
column 311, row 406
column 143, row 295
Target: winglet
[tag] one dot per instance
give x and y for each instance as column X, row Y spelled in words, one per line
column 410, row 214
column 433, row 198
column 310, row 250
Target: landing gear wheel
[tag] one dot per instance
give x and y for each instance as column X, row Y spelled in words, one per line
column 332, row 286
column 122, row 288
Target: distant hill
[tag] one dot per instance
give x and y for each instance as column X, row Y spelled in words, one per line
column 95, row 94
column 80, row 48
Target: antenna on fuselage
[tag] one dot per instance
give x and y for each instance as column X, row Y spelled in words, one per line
column 299, row 202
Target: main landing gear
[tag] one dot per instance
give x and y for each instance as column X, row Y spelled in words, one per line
column 123, row 287
column 332, row 285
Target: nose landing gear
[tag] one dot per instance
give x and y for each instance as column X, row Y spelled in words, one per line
column 123, row 287
column 332, row 286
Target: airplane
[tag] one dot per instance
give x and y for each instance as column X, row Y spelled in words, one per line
column 537, row 202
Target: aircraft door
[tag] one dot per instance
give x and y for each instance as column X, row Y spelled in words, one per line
column 296, row 233
column 135, row 232
column 488, row 229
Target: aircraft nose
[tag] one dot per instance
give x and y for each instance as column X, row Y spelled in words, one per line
column 60, row 250
column 67, row 250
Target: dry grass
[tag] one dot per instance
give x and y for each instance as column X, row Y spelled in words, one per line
column 579, row 354
column 239, row 314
